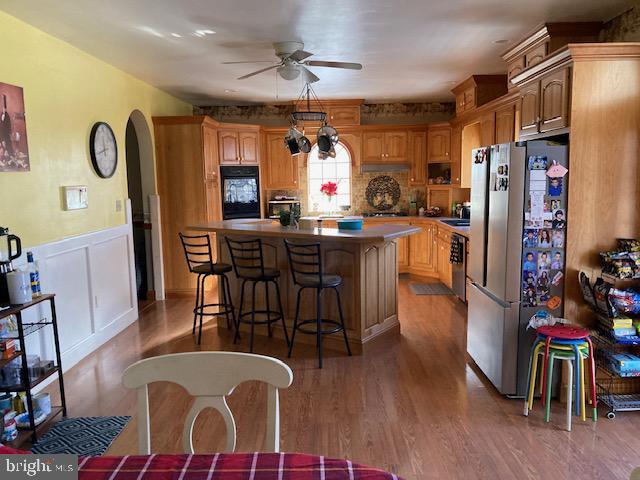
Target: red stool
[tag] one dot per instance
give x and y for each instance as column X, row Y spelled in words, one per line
column 567, row 332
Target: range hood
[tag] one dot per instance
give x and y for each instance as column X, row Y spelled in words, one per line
column 385, row 167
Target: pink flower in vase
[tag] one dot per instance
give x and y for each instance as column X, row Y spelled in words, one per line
column 329, row 189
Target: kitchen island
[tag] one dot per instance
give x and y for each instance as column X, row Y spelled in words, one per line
column 365, row 259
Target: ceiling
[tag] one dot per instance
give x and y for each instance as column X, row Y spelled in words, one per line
column 412, row 50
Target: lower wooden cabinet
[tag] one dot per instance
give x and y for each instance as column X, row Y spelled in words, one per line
column 421, row 248
column 445, row 271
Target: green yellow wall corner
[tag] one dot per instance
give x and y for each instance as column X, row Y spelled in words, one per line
column 65, row 92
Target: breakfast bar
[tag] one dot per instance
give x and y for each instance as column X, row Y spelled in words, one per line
column 365, row 259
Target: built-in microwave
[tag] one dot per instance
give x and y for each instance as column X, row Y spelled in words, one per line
column 240, row 192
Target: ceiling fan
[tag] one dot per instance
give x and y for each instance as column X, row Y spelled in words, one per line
column 293, row 63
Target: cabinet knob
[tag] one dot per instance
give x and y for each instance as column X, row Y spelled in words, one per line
column 412, row 179
column 446, row 153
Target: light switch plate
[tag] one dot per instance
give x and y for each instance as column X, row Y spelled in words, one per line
column 75, row 197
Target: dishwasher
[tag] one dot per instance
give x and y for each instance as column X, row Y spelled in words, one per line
column 459, row 267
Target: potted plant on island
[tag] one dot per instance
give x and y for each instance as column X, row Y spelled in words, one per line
column 330, row 189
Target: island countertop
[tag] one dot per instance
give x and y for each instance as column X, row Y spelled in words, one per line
column 270, row 228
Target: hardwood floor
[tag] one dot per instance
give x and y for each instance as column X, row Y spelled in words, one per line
column 411, row 404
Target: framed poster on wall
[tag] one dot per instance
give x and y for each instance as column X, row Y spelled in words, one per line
column 14, row 153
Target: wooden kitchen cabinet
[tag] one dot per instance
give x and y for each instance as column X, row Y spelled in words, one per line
column 439, row 145
column 505, row 124
column 238, row 147
column 418, row 147
column 554, row 100
column 444, row 268
column 421, row 247
column 385, row 146
column 544, row 103
column 488, row 129
column 477, row 90
column 456, row 154
column 514, row 68
column 186, row 150
column 342, row 115
column 529, row 108
column 279, row 168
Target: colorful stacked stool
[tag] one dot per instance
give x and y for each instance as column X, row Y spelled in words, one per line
column 573, row 345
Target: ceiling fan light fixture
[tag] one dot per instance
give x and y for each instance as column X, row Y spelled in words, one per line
column 289, row 71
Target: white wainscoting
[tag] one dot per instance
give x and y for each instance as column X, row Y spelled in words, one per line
column 93, row 277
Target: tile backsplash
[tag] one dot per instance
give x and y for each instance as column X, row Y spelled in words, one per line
column 359, row 182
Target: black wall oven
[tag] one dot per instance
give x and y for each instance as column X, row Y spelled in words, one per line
column 240, row 192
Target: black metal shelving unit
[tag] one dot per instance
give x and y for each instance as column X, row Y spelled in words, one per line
column 27, row 385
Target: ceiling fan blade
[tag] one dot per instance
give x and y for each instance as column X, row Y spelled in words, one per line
column 320, row 63
column 253, row 61
column 259, row 71
column 298, row 55
column 309, row 76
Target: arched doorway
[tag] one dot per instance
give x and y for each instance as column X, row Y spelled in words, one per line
column 141, row 184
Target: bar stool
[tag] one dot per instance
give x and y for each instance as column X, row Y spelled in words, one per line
column 197, row 251
column 248, row 264
column 305, row 261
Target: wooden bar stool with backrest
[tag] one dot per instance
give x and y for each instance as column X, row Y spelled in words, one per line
column 248, row 264
column 197, row 251
column 209, row 377
column 305, row 261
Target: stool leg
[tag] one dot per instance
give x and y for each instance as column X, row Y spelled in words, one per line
column 534, row 373
column 529, row 386
column 577, row 383
column 239, row 318
column 228, row 301
column 592, row 379
column 545, row 365
column 225, row 303
column 547, row 405
column 284, row 324
column 195, row 308
column 344, row 328
column 569, row 396
column 319, row 325
column 266, row 292
column 204, row 278
column 583, row 392
column 253, row 315
column 295, row 322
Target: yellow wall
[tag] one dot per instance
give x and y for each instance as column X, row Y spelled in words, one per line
column 65, row 92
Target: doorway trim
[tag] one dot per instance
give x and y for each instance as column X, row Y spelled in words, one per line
column 150, row 197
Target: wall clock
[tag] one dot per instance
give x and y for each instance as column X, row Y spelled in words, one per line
column 103, row 149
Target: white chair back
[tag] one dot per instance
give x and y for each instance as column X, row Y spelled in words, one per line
column 209, row 377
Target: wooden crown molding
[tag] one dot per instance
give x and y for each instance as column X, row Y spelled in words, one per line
column 604, row 51
column 478, row 80
column 186, row 119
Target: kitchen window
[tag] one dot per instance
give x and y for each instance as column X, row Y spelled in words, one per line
column 336, row 170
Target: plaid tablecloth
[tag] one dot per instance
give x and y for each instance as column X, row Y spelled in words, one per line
column 227, row 466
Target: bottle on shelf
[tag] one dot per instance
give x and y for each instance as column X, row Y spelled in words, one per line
column 34, row 275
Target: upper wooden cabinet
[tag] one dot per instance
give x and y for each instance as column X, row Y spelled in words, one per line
column 478, row 90
column 505, row 124
column 340, row 113
column 456, row 153
column 238, row 147
column 279, row 168
column 418, row 147
column 543, row 41
column 385, row 146
column 544, row 101
column 554, row 100
column 488, row 129
column 439, row 144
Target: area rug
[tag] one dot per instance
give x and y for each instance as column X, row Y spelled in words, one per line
column 81, row 436
column 430, row 289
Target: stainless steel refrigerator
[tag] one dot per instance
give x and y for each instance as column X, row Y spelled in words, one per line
column 518, row 225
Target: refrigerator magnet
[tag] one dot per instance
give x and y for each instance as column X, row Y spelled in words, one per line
column 530, row 263
column 554, row 302
column 544, row 262
column 557, row 278
column 543, row 281
column 555, row 187
column 556, row 260
column 556, row 170
column 537, row 162
column 529, row 297
column 544, row 238
column 557, row 238
column 558, row 222
column 556, row 205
